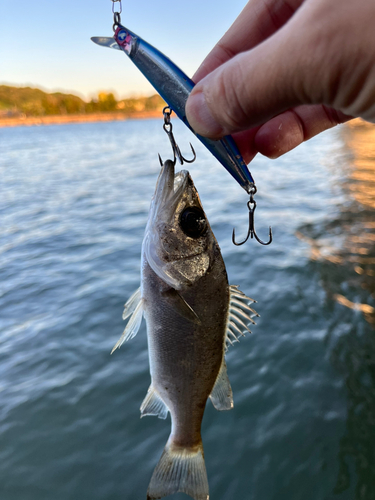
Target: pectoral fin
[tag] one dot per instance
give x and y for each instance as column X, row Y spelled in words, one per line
column 221, row 395
column 180, row 305
column 132, row 303
column 133, row 307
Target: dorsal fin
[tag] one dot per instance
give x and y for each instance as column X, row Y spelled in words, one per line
column 239, row 316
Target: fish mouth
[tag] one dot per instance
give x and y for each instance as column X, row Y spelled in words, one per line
column 170, row 188
column 170, row 185
column 180, row 179
column 177, row 259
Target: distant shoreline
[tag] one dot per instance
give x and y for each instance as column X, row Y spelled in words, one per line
column 34, row 121
column 30, row 121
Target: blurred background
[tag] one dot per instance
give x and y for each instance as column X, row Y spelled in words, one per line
column 48, row 45
column 74, row 200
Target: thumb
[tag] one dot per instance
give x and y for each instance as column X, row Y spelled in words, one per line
column 256, row 85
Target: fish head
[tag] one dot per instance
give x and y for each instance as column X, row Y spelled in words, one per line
column 179, row 243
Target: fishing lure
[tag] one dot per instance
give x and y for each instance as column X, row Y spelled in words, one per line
column 174, row 86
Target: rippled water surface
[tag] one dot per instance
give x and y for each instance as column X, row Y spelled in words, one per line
column 73, row 207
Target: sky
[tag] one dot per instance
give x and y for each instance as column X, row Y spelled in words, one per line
column 47, row 44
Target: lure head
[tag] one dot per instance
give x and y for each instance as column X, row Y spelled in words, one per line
column 125, row 39
column 179, row 244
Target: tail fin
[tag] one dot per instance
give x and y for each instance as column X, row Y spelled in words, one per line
column 179, row 470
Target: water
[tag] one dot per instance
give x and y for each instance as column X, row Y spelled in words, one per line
column 73, row 207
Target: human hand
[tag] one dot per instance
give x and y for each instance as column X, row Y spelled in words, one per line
column 285, row 71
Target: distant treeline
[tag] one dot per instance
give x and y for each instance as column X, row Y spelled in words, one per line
column 26, row 101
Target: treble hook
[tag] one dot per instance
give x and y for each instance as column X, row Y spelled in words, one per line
column 251, row 205
column 176, row 150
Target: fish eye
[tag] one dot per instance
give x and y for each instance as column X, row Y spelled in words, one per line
column 193, row 222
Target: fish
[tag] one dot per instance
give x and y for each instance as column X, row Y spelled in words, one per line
column 174, row 86
column 192, row 316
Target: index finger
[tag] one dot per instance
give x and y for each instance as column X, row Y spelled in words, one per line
column 258, row 20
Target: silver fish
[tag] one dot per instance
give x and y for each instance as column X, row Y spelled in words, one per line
column 192, row 314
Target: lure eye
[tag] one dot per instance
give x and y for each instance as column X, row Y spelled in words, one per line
column 193, row 222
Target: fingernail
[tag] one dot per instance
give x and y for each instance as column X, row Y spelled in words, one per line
column 200, row 117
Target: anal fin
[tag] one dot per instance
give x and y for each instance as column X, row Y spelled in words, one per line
column 153, row 404
column 222, row 395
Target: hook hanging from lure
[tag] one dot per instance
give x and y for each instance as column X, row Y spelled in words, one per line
column 174, row 86
column 251, row 205
column 176, row 150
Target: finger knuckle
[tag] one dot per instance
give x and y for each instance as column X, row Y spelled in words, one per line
column 228, row 104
